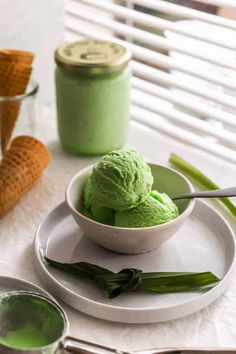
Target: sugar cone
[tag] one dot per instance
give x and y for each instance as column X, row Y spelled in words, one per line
column 19, row 170
column 16, row 56
column 29, row 143
column 14, row 77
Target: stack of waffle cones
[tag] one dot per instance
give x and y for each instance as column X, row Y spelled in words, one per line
column 21, row 166
column 26, row 158
column 15, row 71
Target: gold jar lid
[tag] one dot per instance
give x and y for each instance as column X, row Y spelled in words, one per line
column 92, row 56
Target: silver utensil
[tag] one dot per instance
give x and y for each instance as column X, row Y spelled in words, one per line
column 188, row 351
column 61, row 342
column 216, row 193
column 92, row 348
column 85, row 347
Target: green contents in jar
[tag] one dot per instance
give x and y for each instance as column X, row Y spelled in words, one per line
column 93, row 96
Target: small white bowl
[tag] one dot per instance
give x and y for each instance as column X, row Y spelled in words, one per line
column 132, row 240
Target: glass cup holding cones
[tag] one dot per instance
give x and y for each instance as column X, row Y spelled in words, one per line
column 18, row 115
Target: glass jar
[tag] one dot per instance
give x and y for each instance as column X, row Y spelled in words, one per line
column 93, row 96
column 18, row 114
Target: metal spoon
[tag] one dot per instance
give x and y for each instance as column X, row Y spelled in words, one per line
column 216, row 193
column 187, row 351
column 92, row 348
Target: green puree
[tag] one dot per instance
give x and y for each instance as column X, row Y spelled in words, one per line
column 29, row 321
column 26, row 337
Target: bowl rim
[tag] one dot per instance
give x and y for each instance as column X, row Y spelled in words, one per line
column 186, row 212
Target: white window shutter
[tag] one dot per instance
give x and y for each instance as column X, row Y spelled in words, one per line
column 184, row 81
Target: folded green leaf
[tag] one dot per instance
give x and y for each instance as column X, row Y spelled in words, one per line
column 82, row 269
column 177, row 282
column 113, row 284
column 202, row 180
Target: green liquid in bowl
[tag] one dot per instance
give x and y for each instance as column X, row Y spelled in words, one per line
column 29, row 321
column 26, row 337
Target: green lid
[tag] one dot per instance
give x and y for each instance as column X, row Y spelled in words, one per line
column 92, row 56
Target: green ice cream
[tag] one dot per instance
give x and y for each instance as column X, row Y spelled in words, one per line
column 94, row 210
column 157, row 209
column 121, row 180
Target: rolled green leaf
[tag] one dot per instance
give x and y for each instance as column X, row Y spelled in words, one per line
column 113, row 284
column 199, row 178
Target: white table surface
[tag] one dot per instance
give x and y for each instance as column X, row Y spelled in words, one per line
column 213, row 326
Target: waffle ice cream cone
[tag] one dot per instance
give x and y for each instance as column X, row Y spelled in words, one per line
column 14, row 78
column 28, row 143
column 20, row 168
column 16, row 56
column 15, row 71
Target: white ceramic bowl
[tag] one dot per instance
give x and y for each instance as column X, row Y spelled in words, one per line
column 132, row 240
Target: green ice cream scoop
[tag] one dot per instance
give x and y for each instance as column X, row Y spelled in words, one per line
column 157, row 209
column 121, row 180
column 94, row 210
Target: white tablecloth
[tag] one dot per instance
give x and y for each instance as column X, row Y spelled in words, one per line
column 213, row 326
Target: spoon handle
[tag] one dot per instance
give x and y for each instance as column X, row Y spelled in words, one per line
column 217, row 193
column 187, row 351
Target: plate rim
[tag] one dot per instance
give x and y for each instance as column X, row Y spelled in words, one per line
column 208, row 296
column 32, row 287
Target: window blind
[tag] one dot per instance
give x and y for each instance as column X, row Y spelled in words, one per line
column 184, row 64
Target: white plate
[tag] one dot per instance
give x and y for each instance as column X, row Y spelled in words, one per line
column 205, row 243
